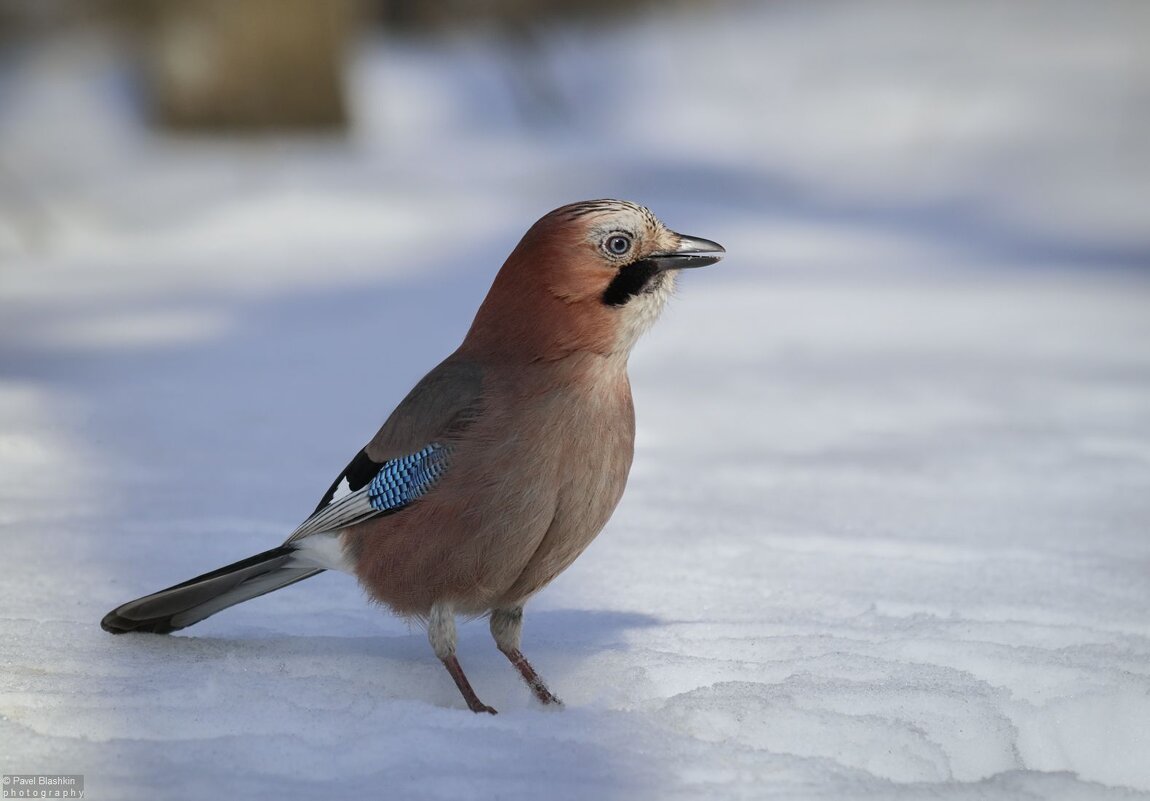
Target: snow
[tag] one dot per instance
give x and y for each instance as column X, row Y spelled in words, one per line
column 887, row 531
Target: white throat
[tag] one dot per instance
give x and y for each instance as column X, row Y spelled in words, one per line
column 642, row 310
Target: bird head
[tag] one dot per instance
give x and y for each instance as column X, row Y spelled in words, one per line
column 590, row 276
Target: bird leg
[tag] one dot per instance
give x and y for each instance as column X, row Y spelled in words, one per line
column 441, row 633
column 506, row 628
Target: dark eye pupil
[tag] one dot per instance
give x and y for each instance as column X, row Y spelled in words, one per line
column 618, row 244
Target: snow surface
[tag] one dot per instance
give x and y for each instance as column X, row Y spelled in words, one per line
column 887, row 531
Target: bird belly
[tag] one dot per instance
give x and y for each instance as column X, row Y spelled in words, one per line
column 516, row 506
column 455, row 545
column 593, row 475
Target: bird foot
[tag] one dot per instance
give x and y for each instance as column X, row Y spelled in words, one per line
column 473, row 702
column 536, row 684
column 545, row 696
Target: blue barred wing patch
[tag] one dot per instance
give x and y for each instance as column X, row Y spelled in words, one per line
column 404, row 479
column 392, row 485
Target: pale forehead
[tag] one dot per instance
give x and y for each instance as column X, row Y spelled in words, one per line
column 594, row 211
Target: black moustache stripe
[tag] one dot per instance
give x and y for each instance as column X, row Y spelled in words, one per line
column 630, row 281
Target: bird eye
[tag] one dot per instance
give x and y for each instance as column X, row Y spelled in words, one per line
column 618, row 244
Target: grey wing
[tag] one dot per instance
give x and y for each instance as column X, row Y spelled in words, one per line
column 409, row 454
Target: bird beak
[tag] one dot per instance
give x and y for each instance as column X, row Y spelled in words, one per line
column 692, row 251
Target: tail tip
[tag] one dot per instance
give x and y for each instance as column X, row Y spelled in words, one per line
column 115, row 623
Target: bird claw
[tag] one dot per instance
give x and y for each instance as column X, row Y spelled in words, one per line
column 545, row 697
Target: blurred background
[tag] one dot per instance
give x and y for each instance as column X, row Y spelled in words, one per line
column 168, row 169
column 301, row 135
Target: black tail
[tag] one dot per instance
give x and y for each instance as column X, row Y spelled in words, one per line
column 184, row 604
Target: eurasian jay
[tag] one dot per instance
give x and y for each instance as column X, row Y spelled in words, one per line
column 502, row 464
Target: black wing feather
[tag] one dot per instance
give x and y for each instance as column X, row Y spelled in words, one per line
column 358, row 474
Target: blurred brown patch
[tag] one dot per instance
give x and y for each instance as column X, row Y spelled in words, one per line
column 256, row 64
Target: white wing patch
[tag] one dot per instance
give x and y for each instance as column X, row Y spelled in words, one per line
column 341, row 491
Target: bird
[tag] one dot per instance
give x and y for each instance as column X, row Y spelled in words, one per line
column 502, row 464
